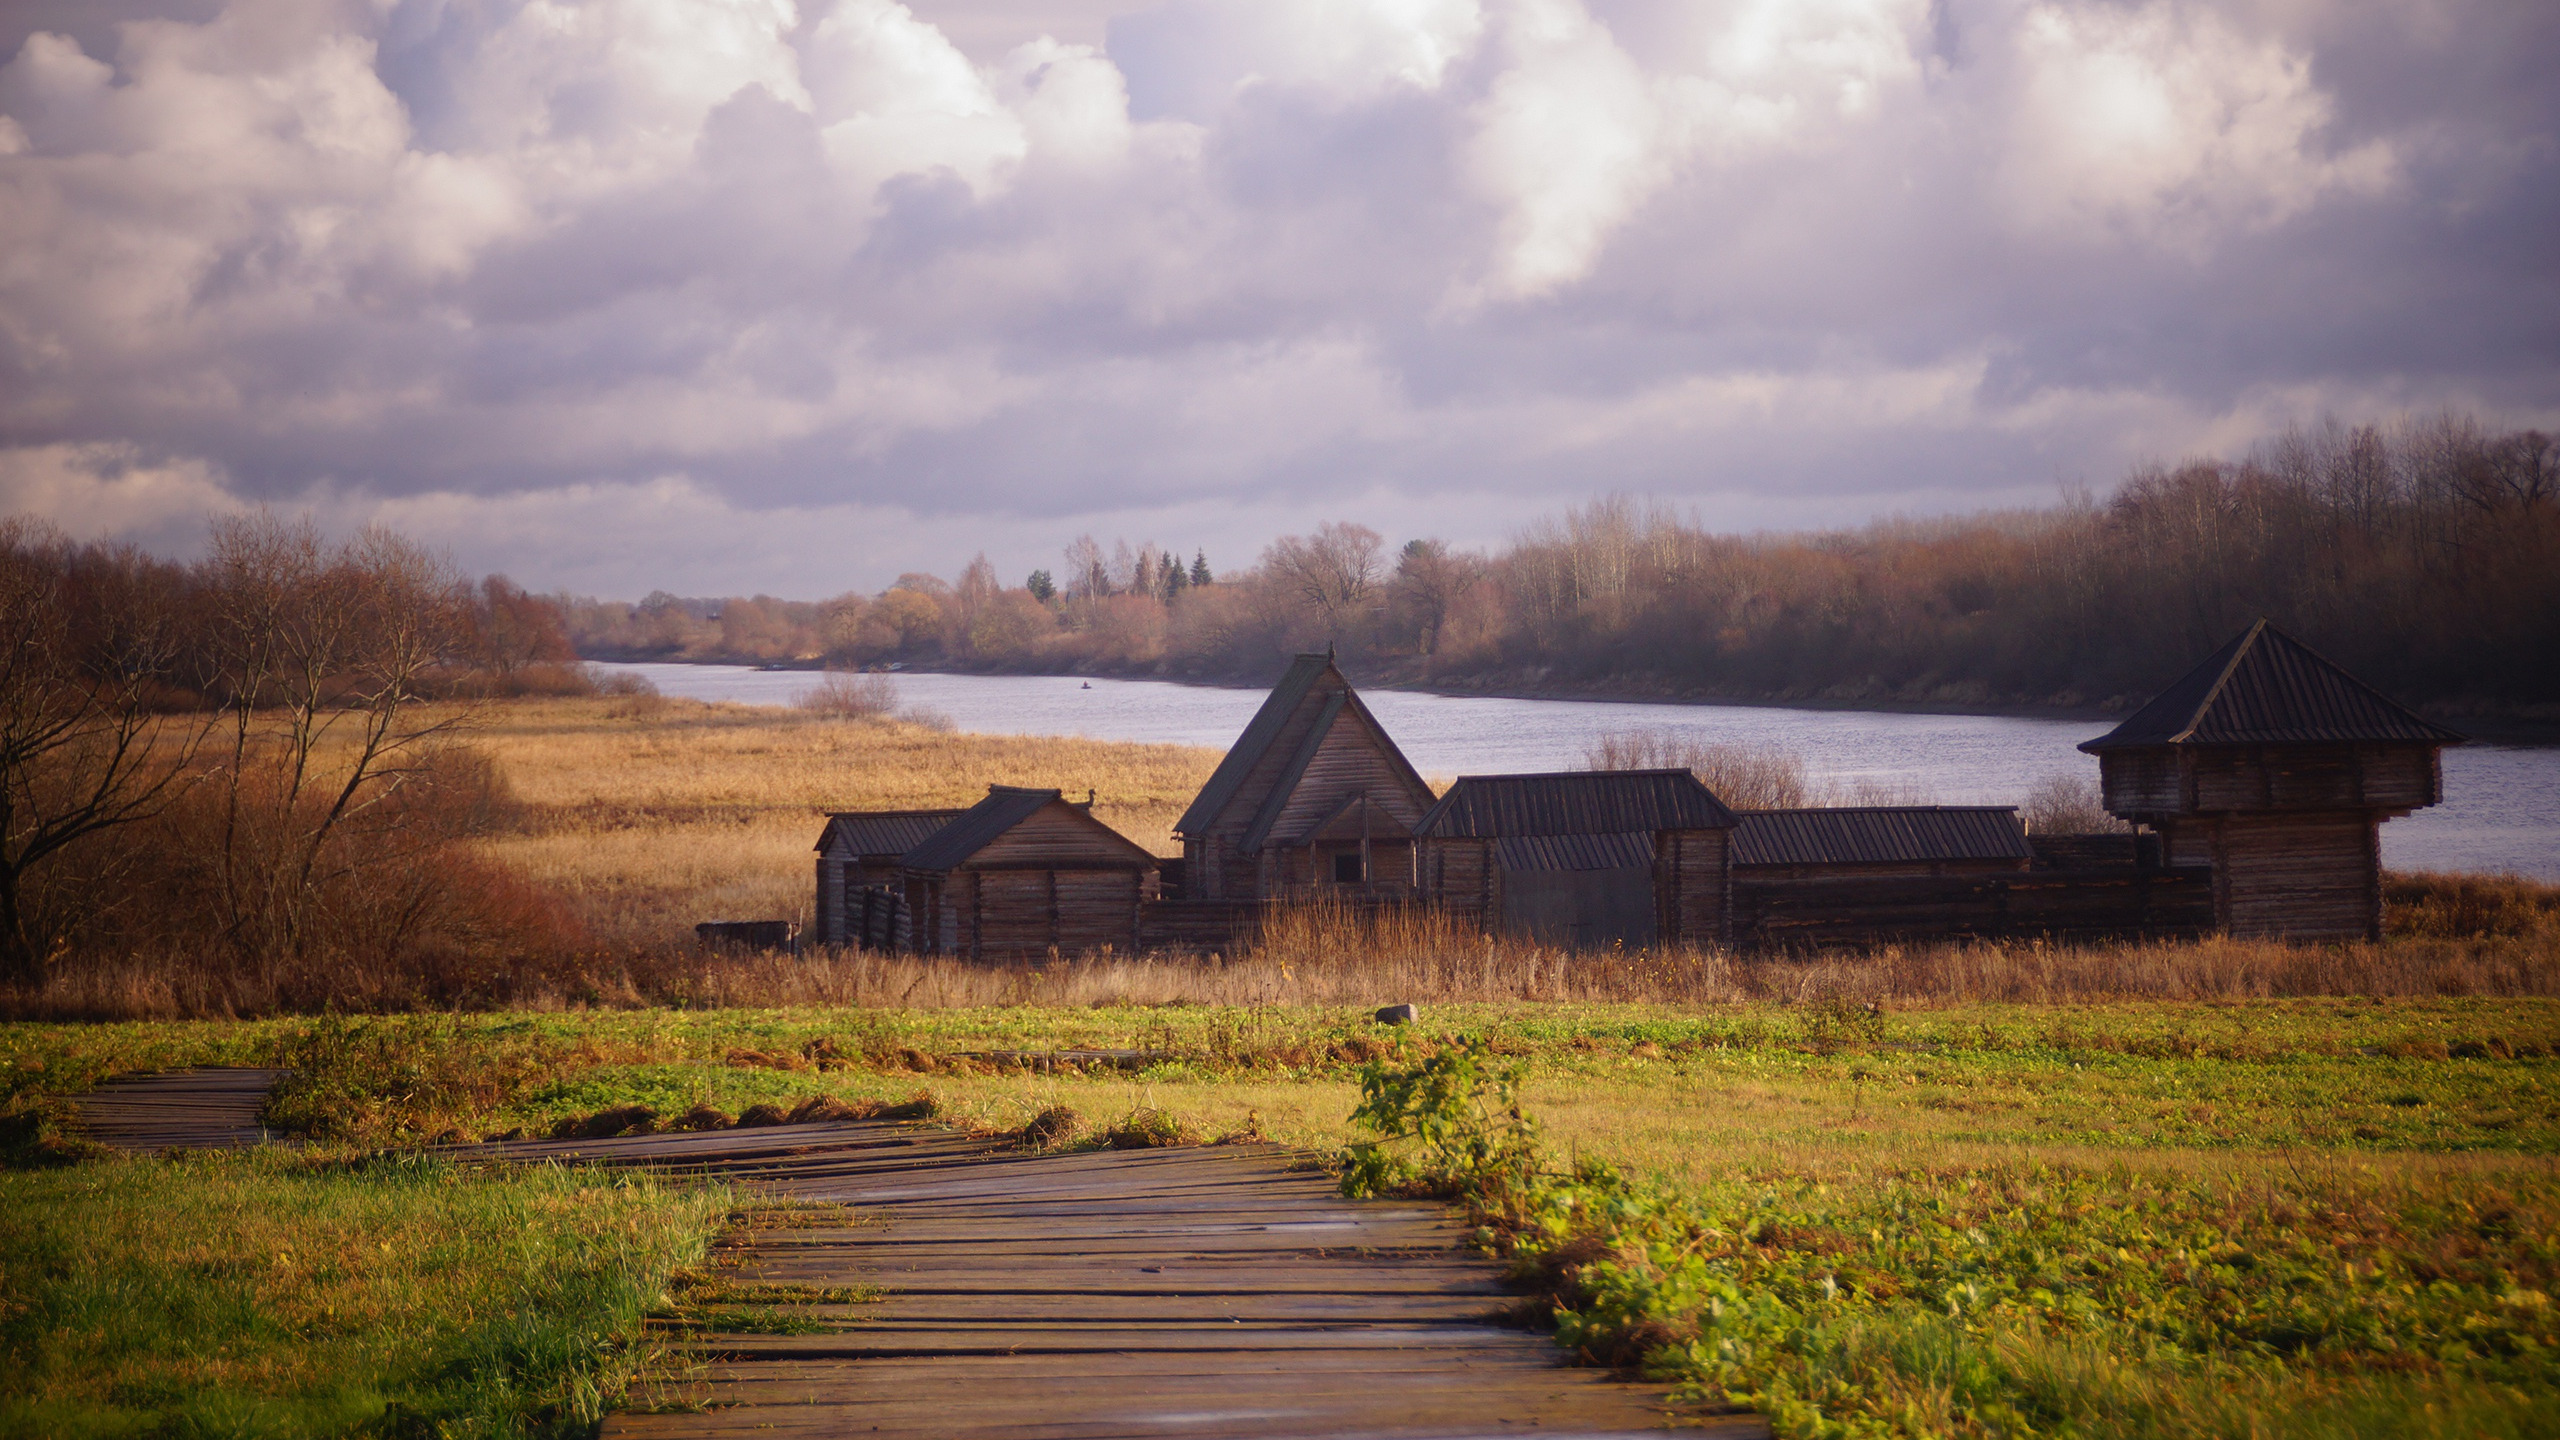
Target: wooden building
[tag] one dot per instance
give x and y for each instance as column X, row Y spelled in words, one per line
column 1584, row 858
column 1312, row 799
column 1879, row 841
column 1021, row 873
column 2277, row 769
column 861, row 891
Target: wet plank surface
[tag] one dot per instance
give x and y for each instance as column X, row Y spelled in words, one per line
column 210, row 1108
column 1200, row 1292
column 910, row 1282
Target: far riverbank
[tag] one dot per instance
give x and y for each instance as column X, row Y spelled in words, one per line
column 2502, row 811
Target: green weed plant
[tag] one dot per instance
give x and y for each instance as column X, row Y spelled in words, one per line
column 2007, row 1299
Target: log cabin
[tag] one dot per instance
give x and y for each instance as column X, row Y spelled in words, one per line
column 2276, row 768
column 1313, row 799
column 860, row 885
column 1879, row 841
column 1582, row 858
column 1019, row 874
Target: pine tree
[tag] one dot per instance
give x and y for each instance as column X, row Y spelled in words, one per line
column 1042, row 588
column 1200, row 568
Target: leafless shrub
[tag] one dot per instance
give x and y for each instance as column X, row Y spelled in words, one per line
column 2068, row 805
column 1744, row 776
column 850, row 695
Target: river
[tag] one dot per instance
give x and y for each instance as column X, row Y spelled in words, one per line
column 2501, row 810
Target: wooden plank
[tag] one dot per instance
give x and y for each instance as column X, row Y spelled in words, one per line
column 1018, row 1339
column 1249, row 1307
column 206, row 1108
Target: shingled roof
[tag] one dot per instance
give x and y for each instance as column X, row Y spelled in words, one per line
column 987, row 821
column 1575, row 802
column 1879, row 835
column 2267, row 688
column 883, row 832
column 1264, row 731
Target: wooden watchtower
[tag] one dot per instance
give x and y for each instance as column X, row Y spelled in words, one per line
column 2276, row 768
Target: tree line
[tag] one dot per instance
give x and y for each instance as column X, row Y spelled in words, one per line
column 234, row 764
column 2423, row 554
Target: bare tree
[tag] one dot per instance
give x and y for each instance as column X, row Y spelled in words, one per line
column 87, row 746
column 1334, row 571
column 1430, row 578
column 320, row 651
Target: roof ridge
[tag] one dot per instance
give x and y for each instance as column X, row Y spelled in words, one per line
column 1284, row 787
column 2213, row 692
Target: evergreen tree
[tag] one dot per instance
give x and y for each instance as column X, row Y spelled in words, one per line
column 1042, row 588
column 1200, row 568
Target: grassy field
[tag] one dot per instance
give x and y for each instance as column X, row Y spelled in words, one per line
column 2084, row 1168
column 2217, row 1189
column 262, row 1295
column 647, row 815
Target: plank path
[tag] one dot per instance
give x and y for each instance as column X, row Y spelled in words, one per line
column 208, row 1108
column 949, row 1287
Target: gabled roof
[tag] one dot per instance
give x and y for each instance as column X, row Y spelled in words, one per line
column 987, row 821
column 1575, row 802
column 2267, row 688
column 1879, row 834
column 1285, row 785
column 1286, row 699
column 883, row 832
column 1607, row 851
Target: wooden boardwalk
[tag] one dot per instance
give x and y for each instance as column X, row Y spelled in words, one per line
column 1191, row 1292
column 910, row 1283
column 212, row 1108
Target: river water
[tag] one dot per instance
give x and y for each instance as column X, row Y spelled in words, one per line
column 2501, row 810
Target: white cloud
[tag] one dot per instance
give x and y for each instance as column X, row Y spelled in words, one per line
column 2161, row 121
column 810, row 266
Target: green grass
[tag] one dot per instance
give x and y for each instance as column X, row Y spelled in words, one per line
column 2018, row 1297
column 266, row 1295
column 2273, row 1218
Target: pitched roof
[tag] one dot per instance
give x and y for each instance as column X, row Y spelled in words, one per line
column 883, row 832
column 1879, row 834
column 977, row 827
column 1607, row 851
column 1285, row 784
column 1259, row 734
column 2267, row 688
column 1575, row 802
column 1286, row 699
column 986, row 822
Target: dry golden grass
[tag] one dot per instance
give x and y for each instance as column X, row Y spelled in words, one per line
column 650, row 817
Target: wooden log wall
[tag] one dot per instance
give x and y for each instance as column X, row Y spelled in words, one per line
column 1693, row 885
column 1199, row 927
column 2216, row 779
column 827, row 926
column 2315, row 876
column 1023, row 914
column 2063, row 904
column 1461, row 877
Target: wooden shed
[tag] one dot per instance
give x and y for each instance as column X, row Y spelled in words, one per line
column 1021, row 873
column 2276, row 768
column 1585, row 858
column 1312, row 799
column 1879, row 840
column 861, row 895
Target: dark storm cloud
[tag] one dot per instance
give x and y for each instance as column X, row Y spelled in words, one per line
column 737, row 294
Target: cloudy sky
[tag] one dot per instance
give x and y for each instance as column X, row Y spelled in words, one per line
column 747, row 295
